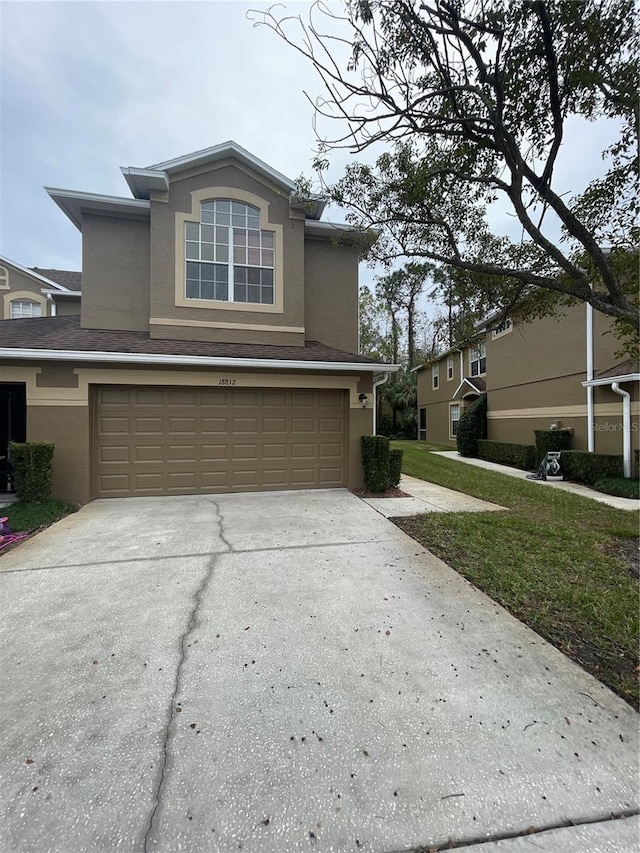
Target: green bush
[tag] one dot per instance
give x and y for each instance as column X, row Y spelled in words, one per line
column 518, row 455
column 395, row 467
column 619, row 487
column 584, row 467
column 32, row 467
column 551, row 440
column 375, row 461
column 472, row 427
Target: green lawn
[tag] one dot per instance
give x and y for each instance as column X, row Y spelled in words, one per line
column 555, row 560
column 30, row 516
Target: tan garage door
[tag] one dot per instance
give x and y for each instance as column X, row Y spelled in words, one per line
column 172, row 441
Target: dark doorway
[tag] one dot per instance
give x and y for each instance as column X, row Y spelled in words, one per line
column 13, row 425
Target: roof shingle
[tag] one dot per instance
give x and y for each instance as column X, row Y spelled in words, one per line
column 71, row 279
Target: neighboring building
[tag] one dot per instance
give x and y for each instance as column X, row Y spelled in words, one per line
column 534, row 376
column 216, row 346
column 34, row 292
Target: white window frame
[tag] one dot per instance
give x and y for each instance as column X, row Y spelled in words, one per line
column 504, row 328
column 4, row 278
column 435, row 376
column 453, row 432
column 21, row 305
column 450, row 368
column 478, row 354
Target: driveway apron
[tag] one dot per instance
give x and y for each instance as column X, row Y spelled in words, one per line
column 286, row 672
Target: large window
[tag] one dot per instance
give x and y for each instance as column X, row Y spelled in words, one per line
column 21, row 308
column 454, row 419
column 228, row 257
column 478, row 359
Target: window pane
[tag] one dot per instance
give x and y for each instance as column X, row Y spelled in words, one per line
column 240, row 292
column 221, row 273
column 240, row 275
column 267, row 277
column 223, row 219
column 193, row 270
column 208, row 252
column 238, row 208
column 206, row 234
column 239, row 255
column 223, row 206
column 207, row 216
column 207, row 272
column 239, row 237
column 222, row 292
column 222, row 236
column 222, row 254
column 254, row 293
column 267, row 296
column 254, row 257
column 254, row 238
column 192, row 250
column 267, row 239
column 208, row 290
column 238, row 221
column 253, row 276
column 193, row 289
column 253, row 222
column 192, row 231
column 267, row 258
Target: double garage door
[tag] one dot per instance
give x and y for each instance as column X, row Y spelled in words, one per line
column 171, row 441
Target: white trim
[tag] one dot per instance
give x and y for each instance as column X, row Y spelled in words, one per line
column 435, row 376
column 204, row 361
column 218, row 152
column 468, row 382
column 626, row 428
column 459, row 405
column 589, row 365
column 73, row 203
column 32, row 274
column 61, row 293
column 451, row 359
column 142, row 181
column 628, row 377
column 377, row 382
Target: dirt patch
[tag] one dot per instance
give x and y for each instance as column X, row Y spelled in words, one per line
column 627, row 551
column 393, row 492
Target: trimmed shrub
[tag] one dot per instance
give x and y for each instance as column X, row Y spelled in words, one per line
column 517, row 455
column 551, row 440
column 472, row 427
column 395, row 467
column 32, row 469
column 619, row 487
column 584, row 467
column 375, row 461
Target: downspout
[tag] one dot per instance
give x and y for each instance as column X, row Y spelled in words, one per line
column 376, row 385
column 626, row 429
column 591, row 433
column 52, row 305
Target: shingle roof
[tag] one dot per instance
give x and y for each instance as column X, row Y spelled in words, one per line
column 623, row 368
column 65, row 333
column 477, row 382
column 67, row 278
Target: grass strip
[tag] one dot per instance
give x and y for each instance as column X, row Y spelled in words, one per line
column 554, row 560
column 24, row 516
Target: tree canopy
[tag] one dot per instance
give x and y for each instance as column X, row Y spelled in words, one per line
column 470, row 100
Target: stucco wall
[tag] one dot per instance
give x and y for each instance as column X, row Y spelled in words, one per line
column 17, row 285
column 331, row 293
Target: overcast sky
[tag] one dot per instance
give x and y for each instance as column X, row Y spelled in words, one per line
column 87, row 87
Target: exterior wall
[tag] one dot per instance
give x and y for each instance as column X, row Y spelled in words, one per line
column 17, row 285
column 331, row 293
column 68, row 307
column 59, row 407
column 437, row 402
column 282, row 323
column 534, row 376
column 115, row 273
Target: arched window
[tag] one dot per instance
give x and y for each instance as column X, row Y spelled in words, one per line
column 228, row 257
column 4, row 278
column 21, row 308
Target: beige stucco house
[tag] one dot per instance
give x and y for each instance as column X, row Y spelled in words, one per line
column 215, row 344
column 554, row 372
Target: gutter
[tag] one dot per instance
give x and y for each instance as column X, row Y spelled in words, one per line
column 196, row 360
column 626, row 428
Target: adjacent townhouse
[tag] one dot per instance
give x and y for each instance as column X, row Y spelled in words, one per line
column 215, row 344
column 556, row 372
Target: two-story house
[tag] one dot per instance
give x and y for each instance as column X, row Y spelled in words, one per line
column 216, row 345
column 552, row 373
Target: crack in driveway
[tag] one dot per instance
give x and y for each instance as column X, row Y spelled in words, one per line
column 177, row 684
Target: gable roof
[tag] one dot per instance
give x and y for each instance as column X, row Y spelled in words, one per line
column 34, row 272
column 69, row 279
column 476, row 383
column 142, row 181
column 63, row 338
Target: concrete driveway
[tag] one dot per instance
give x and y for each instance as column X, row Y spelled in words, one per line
column 287, row 672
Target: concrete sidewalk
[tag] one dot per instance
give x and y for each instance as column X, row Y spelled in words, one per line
column 574, row 488
column 428, row 497
column 287, row 672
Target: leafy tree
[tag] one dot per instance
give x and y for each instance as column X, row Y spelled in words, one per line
column 471, row 99
column 374, row 343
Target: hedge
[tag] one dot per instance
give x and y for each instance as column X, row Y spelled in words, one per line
column 518, row 455
column 584, row 467
column 375, row 461
column 32, row 470
column 472, row 426
column 619, row 487
column 395, row 467
column 551, row 440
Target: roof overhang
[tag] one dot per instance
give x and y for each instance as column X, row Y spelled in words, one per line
column 32, row 274
column 74, row 204
column 143, row 181
column 195, row 360
column 62, row 294
column 607, row 380
column 464, row 382
column 220, row 152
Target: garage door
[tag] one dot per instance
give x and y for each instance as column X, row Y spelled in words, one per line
column 172, row 441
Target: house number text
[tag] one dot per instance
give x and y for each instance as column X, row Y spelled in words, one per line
column 226, row 381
